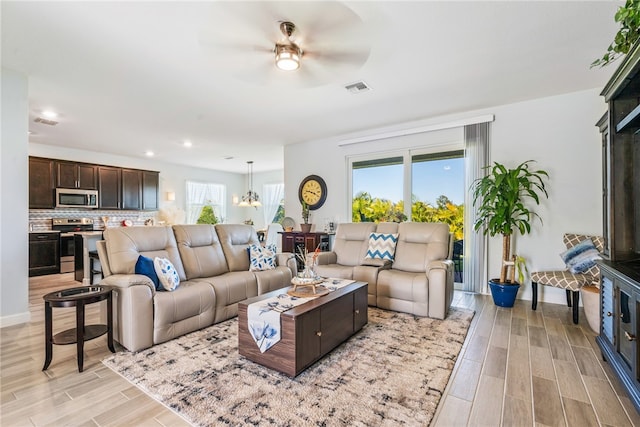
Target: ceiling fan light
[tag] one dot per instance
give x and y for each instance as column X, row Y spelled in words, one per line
column 288, row 57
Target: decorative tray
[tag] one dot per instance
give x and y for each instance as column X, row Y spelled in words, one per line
column 306, row 281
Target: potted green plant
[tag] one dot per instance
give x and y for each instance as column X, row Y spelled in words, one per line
column 500, row 198
column 305, row 227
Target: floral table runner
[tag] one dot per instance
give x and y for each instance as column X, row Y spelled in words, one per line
column 263, row 317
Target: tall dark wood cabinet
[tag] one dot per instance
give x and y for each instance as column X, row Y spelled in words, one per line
column 131, row 189
column 109, row 187
column 41, row 183
column 620, row 273
column 150, row 185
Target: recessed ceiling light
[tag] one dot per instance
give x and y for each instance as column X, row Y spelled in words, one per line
column 228, row 158
column 49, row 114
column 187, row 143
column 149, row 153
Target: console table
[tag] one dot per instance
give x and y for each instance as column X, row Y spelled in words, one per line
column 297, row 241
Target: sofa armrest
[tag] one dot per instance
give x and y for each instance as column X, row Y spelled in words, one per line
column 440, row 281
column 287, row 259
column 439, row 265
column 127, row 280
column 325, row 258
column 132, row 310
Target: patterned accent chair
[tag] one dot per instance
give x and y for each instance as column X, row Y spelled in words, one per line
column 571, row 283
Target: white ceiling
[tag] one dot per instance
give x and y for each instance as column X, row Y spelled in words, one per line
column 126, row 77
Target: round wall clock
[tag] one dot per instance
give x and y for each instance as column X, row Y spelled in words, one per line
column 313, row 191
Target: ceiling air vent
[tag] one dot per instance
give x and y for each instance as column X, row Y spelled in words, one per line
column 357, row 87
column 45, row 121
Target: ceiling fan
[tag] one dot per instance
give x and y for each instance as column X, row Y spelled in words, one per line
column 319, row 40
column 288, row 53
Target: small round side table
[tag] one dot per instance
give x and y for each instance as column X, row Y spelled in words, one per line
column 78, row 298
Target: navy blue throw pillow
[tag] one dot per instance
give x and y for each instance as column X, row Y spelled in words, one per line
column 144, row 265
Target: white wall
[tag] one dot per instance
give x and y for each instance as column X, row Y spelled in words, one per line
column 14, row 202
column 558, row 132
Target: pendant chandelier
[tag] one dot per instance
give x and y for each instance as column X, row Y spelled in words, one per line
column 251, row 199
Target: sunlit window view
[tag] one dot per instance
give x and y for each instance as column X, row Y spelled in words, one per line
column 437, row 193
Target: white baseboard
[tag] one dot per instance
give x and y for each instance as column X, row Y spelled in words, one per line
column 15, row 319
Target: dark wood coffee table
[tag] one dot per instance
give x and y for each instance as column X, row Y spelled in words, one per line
column 308, row 331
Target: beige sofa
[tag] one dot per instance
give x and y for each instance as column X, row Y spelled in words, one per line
column 213, row 266
column 418, row 281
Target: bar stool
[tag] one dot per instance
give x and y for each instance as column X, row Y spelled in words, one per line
column 93, row 256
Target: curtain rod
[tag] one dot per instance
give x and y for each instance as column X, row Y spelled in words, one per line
column 420, row 129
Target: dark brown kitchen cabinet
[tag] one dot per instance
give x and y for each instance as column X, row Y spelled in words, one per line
column 118, row 188
column 109, row 187
column 131, row 189
column 44, row 253
column 76, row 175
column 41, row 183
column 150, row 185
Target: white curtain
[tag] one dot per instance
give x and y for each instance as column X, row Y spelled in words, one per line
column 201, row 194
column 476, row 153
column 272, row 195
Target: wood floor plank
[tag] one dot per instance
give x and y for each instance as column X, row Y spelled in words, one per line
column 496, row 363
column 477, row 348
column 576, row 336
column 538, row 337
column 455, row 412
column 541, row 363
column 560, row 348
column 605, row 402
column 463, row 385
column 518, row 381
column 587, row 363
column 547, row 406
column 570, row 381
column 516, row 412
column 487, row 406
column 579, row 414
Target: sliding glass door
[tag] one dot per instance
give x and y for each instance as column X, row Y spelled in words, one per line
column 412, row 185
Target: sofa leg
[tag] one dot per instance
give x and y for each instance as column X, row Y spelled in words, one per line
column 568, row 292
column 576, row 300
column 534, row 298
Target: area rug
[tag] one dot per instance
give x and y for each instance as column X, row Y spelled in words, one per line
column 392, row 372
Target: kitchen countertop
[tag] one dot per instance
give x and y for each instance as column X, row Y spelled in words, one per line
column 43, row 231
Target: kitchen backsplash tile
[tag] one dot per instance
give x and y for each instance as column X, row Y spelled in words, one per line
column 40, row 219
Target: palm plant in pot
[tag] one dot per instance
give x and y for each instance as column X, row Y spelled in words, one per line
column 500, row 198
column 305, row 227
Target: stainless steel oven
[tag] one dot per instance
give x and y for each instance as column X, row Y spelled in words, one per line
column 68, row 227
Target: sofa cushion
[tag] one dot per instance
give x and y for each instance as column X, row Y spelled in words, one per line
column 382, row 246
column 351, row 242
column 126, row 244
column 235, row 239
column 166, row 273
column 231, row 288
column 200, row 250
column 145, row 266
column 420, row 243
column 261, row 259
column 188, row 308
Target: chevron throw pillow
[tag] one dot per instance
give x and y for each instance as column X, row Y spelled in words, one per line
column 382, row 246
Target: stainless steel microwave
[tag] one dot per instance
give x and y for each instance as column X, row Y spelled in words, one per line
column 75, row 198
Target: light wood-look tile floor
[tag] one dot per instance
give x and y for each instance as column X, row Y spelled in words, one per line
column 517, row 367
